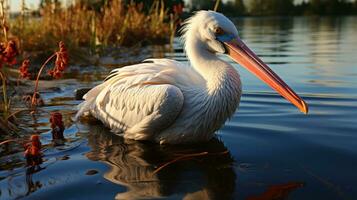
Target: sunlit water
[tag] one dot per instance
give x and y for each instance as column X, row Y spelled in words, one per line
column 273, row 149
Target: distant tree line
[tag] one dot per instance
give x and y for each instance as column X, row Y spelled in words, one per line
column 280, row 7
column 245, row 7
column 327, row 7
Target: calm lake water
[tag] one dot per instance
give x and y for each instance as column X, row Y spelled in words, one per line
column 268, row 150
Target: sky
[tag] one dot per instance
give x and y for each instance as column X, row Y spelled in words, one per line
column 15, row 4
column 33, row 4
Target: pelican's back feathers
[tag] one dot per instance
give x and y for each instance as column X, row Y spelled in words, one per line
column 141, row 99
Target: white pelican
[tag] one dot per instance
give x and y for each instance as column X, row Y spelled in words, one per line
column 168, row 102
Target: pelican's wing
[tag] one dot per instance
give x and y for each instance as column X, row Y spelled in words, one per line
column 139, row 100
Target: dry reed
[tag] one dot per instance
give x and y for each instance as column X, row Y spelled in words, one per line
column 117, row 24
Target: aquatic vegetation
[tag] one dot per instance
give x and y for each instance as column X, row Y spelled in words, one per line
column 30, row 97
column 61, row 62
column 33, row 152
column 60, row 65
column 34, row 99
column 32, row 148
column 8, row 52
column 57, row 126
column 24, row 69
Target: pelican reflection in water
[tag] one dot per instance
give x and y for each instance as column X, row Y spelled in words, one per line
column 133, row 164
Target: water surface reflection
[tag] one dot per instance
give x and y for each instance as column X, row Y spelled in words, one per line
column 133, row 164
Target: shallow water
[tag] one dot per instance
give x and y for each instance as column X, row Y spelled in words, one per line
column 268, row 149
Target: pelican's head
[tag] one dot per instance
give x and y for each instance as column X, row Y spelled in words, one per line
column 212, row 32
column 205, row 26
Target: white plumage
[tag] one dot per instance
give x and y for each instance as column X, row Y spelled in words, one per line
column 166, row 101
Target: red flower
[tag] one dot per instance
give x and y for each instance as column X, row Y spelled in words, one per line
column 61, row 62
column 8, row 52
column 62, row 57
column 55, row 73
column 33, row 151
column 57, row 126
column 24, row 69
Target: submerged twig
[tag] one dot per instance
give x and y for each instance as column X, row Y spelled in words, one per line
column 187, row 156
column 15, row 113
column 8, row 141
column 179, row 158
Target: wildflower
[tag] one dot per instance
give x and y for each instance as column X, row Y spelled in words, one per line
column 24, row 69
column 62, row 57
column 60, row 65
column 61, row 62
column 8, row 52
column 57, row 126
column 55, row 73
column 33, row 151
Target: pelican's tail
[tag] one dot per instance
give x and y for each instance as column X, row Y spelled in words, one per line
column 83, row 107
column 89, row 100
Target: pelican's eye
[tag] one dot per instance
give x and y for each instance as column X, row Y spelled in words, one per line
column 218, row 31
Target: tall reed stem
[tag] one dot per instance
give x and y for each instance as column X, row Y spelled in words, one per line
column 22, row 22
column 4, row 92
column 3, row 18
column 216, row 5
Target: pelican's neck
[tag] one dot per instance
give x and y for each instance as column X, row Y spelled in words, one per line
column 201, row 59
column 215, row 71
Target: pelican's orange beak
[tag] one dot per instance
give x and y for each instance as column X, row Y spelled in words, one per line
column 240, row 53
